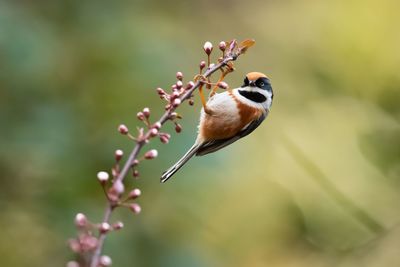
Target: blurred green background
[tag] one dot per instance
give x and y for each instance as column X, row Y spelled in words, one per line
column 318, row 184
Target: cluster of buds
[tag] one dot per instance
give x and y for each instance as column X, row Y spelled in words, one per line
column 153, row 130
column 174, row 99
column 88, row 244
column 115, row 189
column 178, row 89
column 129, row 201
column 85, row 243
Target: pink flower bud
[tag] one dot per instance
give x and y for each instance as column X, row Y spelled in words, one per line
column 112, row 195
column 118, row 187
column 191, row 102
column 173, row 115
column 179, row 75
column 88, row 242
column 157, row 125
column 176, row 102
column 222, row 46
column 105, row 261
column 103, row 177
column 123, row 129
column 146, row 112
column 160, row 91
column 135, row 173
column 74, row 245
column 202, row 64
column 164, row 138
column 223, row 85
column 151, row 154
column 140, row 115
column 179, row 84
column 208, row 47
column 153, row 132
column 175, row 94
column 81, row 220
column 135, row 193
column 135, row 162
column 173, row 87
column 104, row 227
column 178, row 128
column 118, row 154
column 190, row 85
column 118, row 225
column 135, row 208
column 232, row 45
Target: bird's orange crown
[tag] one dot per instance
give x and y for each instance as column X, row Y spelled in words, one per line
column 253, row 76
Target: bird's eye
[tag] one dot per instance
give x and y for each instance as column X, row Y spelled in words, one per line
column 261, row 84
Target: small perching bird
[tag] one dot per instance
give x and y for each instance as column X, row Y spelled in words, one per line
column 229, row 116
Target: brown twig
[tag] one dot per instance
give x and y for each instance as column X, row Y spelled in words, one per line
column 180, row 94
column 138, row 147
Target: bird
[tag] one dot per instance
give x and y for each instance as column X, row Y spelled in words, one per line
column 228, row 117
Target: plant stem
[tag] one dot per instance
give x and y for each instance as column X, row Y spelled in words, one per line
column 135, row 151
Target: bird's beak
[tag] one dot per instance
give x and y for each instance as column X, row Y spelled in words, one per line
column 252, row 84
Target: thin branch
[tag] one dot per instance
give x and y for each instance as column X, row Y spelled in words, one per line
column 139, row 145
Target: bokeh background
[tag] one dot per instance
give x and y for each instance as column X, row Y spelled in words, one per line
column 318, row 184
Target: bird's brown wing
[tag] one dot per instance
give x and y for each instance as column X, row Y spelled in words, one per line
column 214, row 145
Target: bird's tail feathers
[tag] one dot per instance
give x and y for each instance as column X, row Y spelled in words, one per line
column 167, row 174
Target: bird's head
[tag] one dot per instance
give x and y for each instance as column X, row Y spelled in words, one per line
column 258, row 80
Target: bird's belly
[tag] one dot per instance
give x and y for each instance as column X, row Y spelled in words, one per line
column 216, row 127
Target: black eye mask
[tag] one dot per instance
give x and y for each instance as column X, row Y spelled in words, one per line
column 264, row 83
column 245, row 82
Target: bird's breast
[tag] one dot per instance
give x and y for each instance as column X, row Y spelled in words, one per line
column 228, row 117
